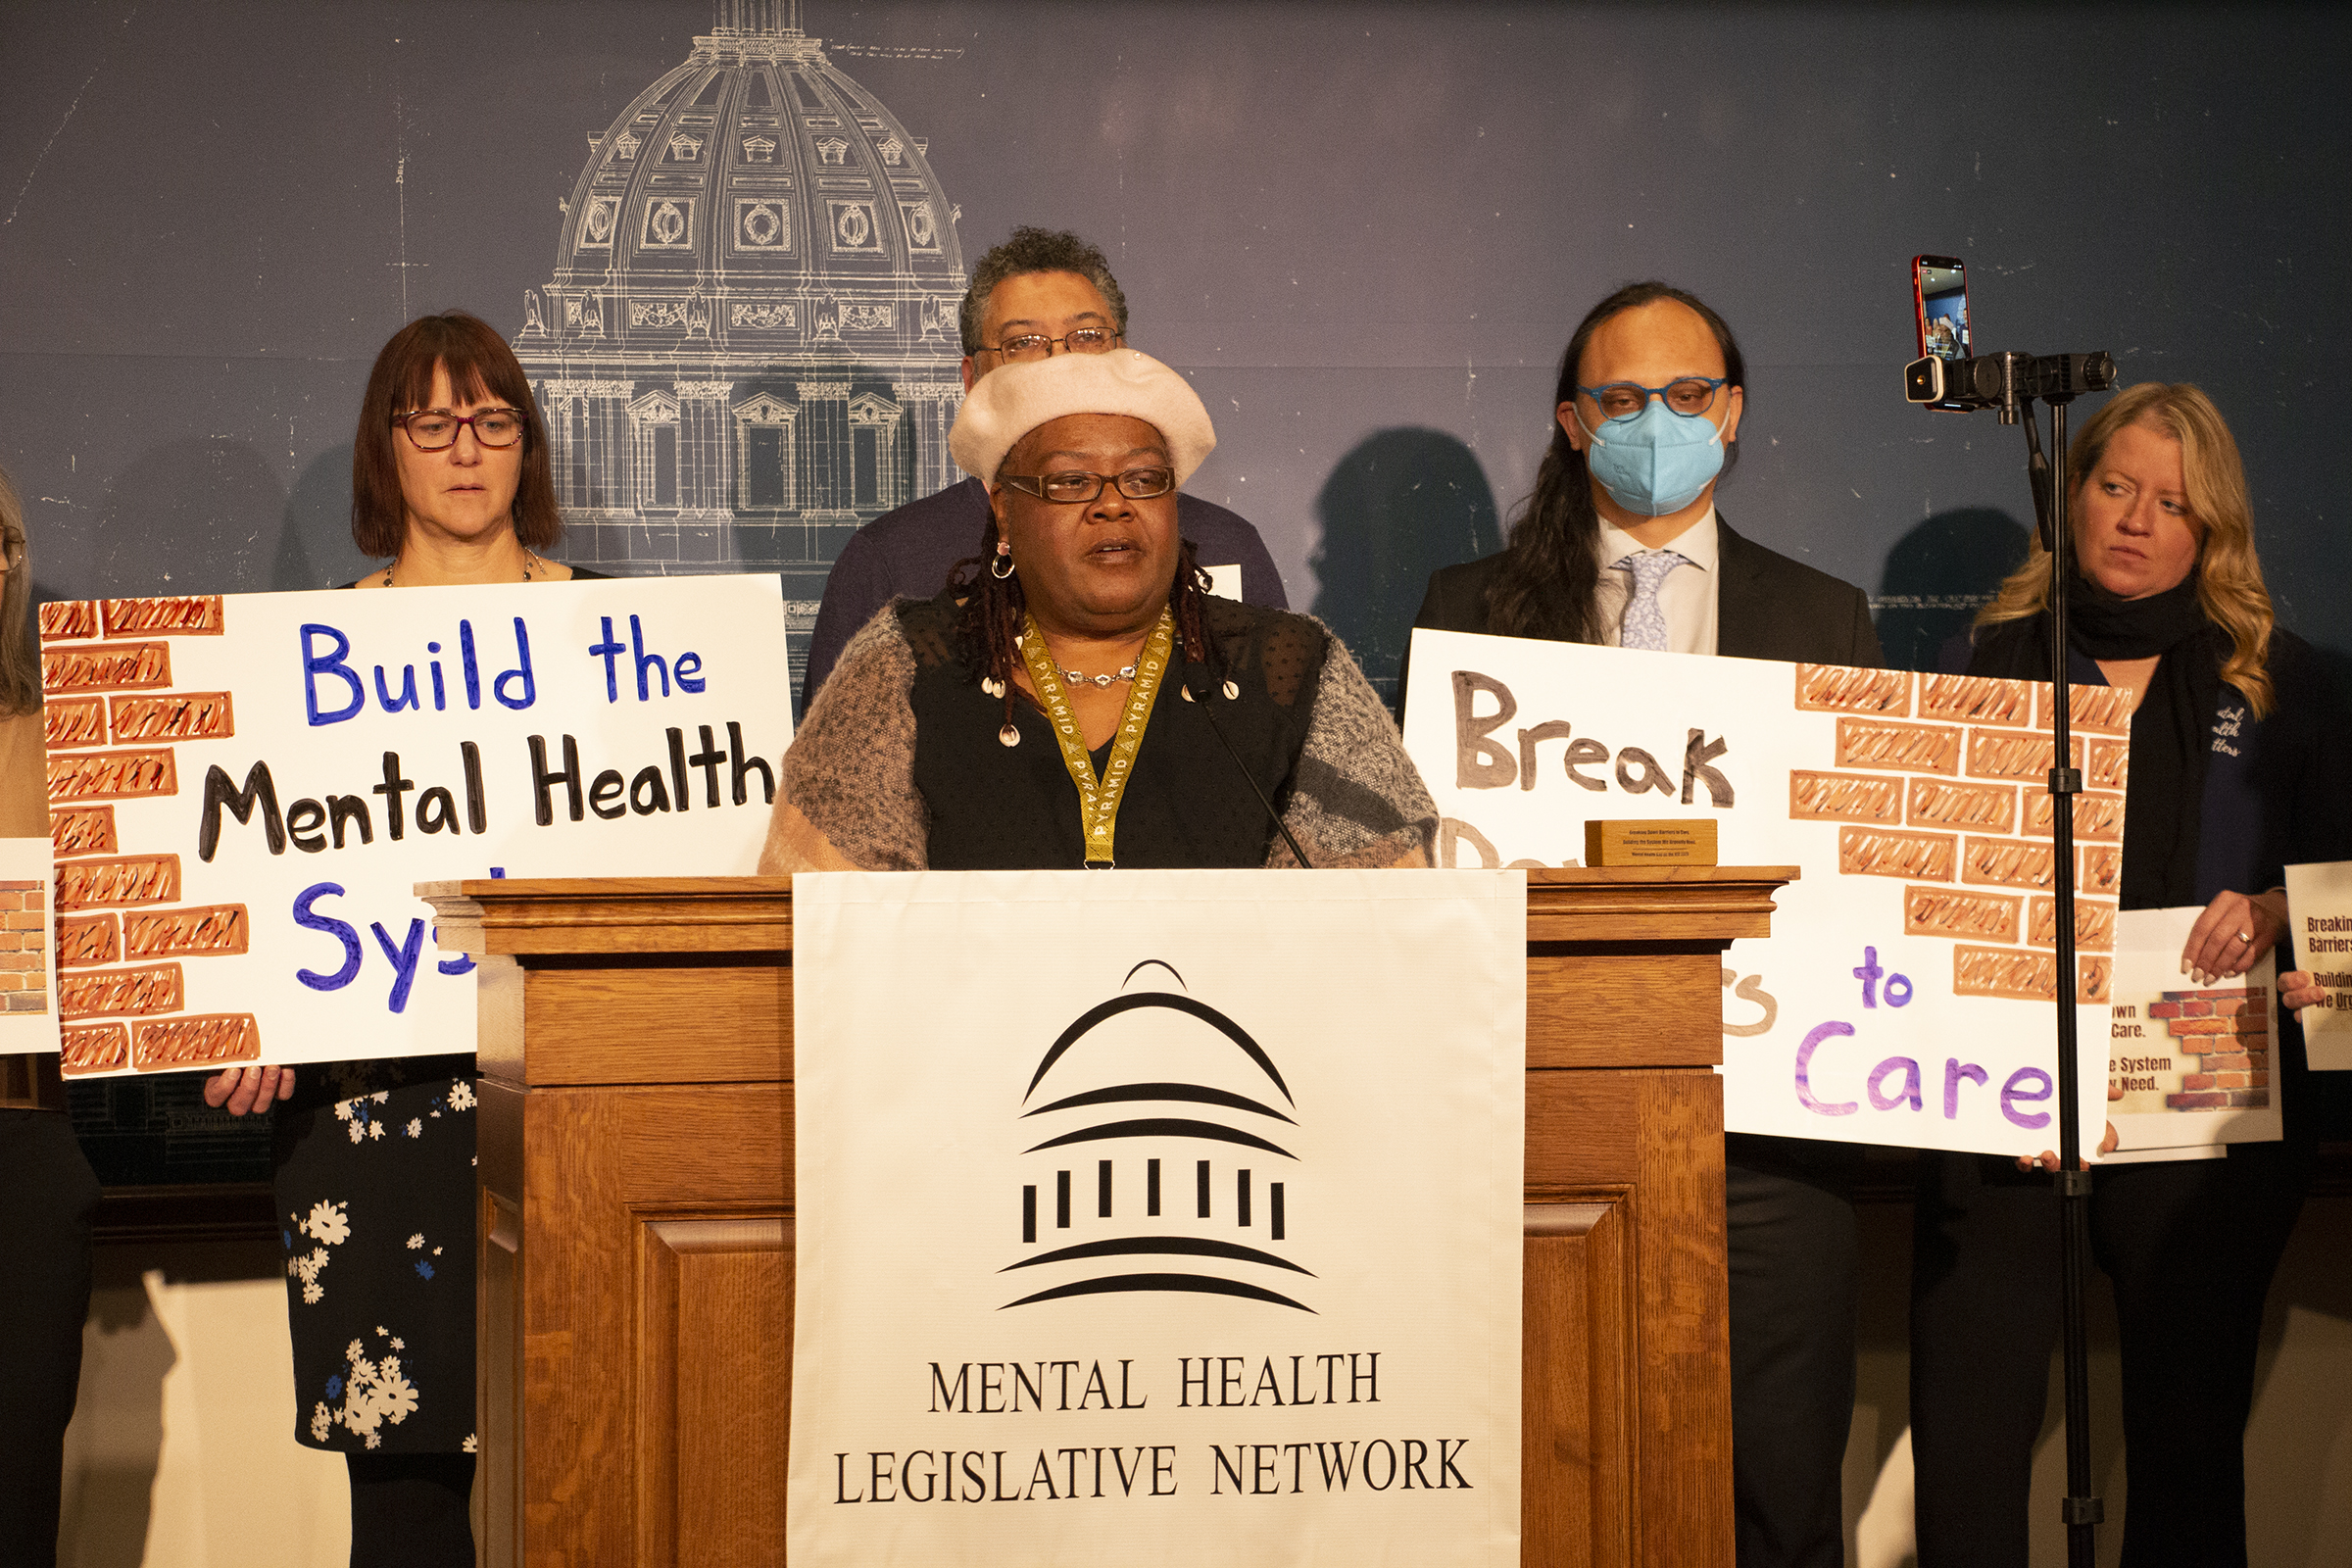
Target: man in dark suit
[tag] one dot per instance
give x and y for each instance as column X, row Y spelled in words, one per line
column 1621, row 544
column 1037, row 294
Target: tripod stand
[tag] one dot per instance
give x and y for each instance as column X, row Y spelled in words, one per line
column 2081, row 1508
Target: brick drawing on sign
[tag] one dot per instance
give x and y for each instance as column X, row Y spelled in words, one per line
column 116, row 907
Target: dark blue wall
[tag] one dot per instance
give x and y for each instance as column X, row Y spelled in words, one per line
column 1368, row 229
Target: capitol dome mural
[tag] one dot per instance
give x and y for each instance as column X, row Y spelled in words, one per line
column 749, row 344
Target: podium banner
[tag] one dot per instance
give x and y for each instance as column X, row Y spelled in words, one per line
column 1157, row 1218
column 244, row 790
column 1907, row 995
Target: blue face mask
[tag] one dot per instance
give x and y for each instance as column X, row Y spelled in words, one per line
column 1656, row 462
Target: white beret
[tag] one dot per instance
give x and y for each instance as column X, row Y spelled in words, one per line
column 1009, row 402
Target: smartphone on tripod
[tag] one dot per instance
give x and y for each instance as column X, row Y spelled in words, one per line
column 1940, row 295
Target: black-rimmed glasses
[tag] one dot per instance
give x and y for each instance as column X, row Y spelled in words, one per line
column 1038, row 346
column 1074, row 488
column 436, row 429
column 1686, row 396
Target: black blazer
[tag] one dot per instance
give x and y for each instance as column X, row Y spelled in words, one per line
column 1767, row 605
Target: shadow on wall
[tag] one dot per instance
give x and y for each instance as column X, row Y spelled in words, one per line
column 117, row 1430
column 1400, row 506
column 186, row 518
column 1937, row 576
column 314, row 544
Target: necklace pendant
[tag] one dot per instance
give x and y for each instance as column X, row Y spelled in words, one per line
column 1010, row 736
column 1102, row 680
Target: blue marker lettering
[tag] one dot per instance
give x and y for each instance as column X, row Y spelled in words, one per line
column 531, row 686
column 342, row 931
column 608, row 651
column 403, row 959
column 408, row 689
column 637, row 650
column 474, row 668
column 314, row 666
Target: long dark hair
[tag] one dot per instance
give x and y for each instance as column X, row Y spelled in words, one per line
column 480, row 366
column 1552, row 565
column 992, row 608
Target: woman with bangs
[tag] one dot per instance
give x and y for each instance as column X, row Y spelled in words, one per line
column 373, row 1177
column 2238, row 756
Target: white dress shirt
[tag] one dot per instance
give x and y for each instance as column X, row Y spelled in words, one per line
column 1686, row 598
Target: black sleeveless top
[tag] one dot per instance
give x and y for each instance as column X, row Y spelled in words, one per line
column 1013, row 808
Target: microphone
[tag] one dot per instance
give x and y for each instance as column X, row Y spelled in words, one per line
column 1199, row 695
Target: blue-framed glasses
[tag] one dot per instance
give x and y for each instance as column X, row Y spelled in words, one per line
column 1686, row 396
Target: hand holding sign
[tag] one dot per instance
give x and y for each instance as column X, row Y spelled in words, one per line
column 241, row 1090
column 2232, row 934
column 2300, row 989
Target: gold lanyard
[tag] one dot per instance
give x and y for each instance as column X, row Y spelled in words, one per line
column 1099, row 799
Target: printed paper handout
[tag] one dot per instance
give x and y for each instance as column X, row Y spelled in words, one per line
column 2193, row 1061
column 28, row 988
column 2318, row 904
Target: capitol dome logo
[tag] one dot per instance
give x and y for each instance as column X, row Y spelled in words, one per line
column 1190, row 1179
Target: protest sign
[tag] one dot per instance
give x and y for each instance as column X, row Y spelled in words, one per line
column 245, row 789
column 1192, row 1238
column 1907, row 992
column 2318, row 904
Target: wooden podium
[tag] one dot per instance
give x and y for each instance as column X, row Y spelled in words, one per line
column 636, row 1245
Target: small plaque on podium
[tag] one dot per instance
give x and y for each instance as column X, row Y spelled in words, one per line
column 1653, row 841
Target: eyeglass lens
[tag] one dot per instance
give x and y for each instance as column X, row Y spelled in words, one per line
column 1136, row 484
column 500, row 428
column 1035, row 346
column 1687, row 396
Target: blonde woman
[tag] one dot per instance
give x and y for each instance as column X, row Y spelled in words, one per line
column 47, row 1191
column 2239, row 761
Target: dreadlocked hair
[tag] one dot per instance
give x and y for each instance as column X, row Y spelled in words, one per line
column 992, row 610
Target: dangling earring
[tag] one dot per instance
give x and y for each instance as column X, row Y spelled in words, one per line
column 1002, row 567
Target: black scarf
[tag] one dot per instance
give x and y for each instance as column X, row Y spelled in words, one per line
column 2170, row 732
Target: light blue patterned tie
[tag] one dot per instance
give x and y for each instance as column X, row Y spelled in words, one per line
column 1645, row 624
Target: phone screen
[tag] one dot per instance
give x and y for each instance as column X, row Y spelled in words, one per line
column 1941, row 287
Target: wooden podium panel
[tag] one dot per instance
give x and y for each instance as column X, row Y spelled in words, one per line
column 636, row 1172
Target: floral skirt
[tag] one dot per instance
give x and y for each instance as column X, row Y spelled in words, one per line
column 375, row 1197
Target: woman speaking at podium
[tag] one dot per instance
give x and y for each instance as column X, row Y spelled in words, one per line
column 2238, row 766
column 373, row 1161
column 1073, row 697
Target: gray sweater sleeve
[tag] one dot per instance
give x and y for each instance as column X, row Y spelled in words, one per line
column 1358, row 800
